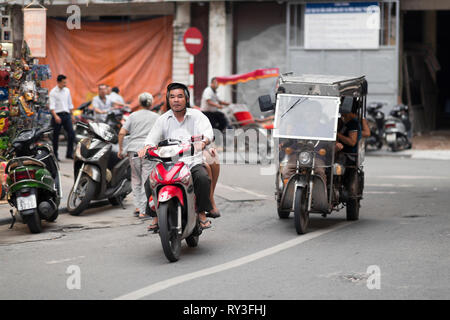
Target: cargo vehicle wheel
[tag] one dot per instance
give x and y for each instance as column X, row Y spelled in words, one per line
column 301, row 215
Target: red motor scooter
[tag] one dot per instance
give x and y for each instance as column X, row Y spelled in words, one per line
column 173, row 188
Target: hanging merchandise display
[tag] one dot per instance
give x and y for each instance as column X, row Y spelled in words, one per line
column 23, row 102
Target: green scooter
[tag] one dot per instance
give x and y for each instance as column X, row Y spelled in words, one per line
column 34, row 187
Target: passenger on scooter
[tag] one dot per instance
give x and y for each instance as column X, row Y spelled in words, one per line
column 182, row 122
column 212, row 165
column 211, row 104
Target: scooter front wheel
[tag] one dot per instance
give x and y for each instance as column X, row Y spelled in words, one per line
column 79, row 199
column 170, row 239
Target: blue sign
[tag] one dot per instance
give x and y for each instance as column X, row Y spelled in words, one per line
column 340, row 7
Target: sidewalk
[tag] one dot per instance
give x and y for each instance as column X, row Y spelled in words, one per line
column 431, row 146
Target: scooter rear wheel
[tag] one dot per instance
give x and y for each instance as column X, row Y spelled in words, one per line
column 170, row 239
column 34, row 223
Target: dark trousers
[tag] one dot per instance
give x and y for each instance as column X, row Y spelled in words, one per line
column 66, row 123
column 217, row 119
column 202, row 188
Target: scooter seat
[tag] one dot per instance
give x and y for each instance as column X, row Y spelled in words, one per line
column 23, row 161
column 113, row 159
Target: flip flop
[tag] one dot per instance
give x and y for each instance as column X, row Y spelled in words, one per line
column 213, row 214
column 136, row 213
column 203, row 224
column 153, row 227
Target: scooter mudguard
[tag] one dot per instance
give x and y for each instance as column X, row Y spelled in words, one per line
column 93, row 172
column 168, row 192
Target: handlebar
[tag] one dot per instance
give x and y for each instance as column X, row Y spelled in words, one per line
column 170, row 142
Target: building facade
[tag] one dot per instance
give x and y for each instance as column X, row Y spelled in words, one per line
column 405, row 60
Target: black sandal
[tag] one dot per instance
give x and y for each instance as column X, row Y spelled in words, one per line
column 153, row 227
column 204, row 224
column 213, row 214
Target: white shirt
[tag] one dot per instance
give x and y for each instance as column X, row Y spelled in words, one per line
column 60, row 100
column 167, row 127
column 99, row 104
column 209, row 94
column 115, row 97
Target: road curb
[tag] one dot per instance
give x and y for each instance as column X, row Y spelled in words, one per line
column 389, row 155
column 62, row 210
column 8, row 220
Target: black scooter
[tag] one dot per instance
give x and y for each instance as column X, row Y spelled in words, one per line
column 99, row 173
column 398, row 128
column 375, row 120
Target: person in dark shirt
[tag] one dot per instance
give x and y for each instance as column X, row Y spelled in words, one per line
column 350, row 134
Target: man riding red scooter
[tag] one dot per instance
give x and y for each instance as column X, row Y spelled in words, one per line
column 174, row 135
column 182, row 122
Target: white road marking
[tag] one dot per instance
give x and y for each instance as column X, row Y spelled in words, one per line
column 391, row 185
column 380, row 192
column 413, row 177
column 64, row 260
column 251, row 192
column 239, row 189
column 162, row 285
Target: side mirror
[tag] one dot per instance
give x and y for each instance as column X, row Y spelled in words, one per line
column 346, row 105
column 265, row 103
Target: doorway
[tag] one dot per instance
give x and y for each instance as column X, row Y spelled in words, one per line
column 443, row 76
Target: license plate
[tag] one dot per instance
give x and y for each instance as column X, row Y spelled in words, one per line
column 390, row 138
column 25, row 203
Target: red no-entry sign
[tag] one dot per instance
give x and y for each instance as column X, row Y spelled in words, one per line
column 193, row 41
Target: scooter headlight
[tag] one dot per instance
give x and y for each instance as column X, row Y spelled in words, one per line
column 305, row 158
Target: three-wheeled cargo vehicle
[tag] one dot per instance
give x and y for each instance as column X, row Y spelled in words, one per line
column 317, row 171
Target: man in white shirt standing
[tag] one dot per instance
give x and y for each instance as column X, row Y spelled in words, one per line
column 61, row 108
column 211, row 104
column 101, row 103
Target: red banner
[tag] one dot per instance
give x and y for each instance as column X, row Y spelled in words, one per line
column 254, row 75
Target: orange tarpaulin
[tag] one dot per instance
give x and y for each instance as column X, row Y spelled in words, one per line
column 134, row 56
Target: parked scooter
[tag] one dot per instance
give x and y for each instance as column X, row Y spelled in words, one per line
column 173, row 187
column 99, row 173
column 85, row 115
column 398, row 128
column 375, row 120
column 116, row 118
column 34, row 186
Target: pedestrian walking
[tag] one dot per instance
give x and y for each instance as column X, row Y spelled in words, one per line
column 61, row 108
column 138, row 126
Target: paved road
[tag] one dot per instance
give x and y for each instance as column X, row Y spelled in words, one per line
column 249, row 253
